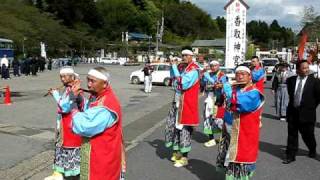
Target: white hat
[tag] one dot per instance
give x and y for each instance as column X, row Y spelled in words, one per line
column 243, row 68
column 214, row 62
column 66, row 70
column 187, row 52
column 97, row 74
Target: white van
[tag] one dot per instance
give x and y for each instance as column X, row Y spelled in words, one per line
column 269, row 64
column 160, row 74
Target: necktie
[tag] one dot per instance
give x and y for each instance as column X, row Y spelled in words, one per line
column 297, row 95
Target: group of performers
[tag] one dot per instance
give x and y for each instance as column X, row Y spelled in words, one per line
column 89, row 141
column 232, row 110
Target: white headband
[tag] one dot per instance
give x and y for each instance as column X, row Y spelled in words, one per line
column 243, row 68
column 187, row 52
column 214, row 62
column 66, row 70
column 99, row 75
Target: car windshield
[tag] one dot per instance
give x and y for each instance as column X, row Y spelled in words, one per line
column 270, row 62
column 227, row 71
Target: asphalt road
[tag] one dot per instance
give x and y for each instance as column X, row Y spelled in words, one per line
column 27, row 126
column 150, row 159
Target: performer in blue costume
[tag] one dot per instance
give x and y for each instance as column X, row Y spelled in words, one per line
column 238, row 148
column 171, row 133
column 67, row 150
column 189, row 84
column 214, row 103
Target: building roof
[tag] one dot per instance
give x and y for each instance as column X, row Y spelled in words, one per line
column 231, row 1
column 209, row 43
column 5, row 40
column 138, row 36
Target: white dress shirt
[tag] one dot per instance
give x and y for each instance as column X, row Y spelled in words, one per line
column 303, row 79
column 4, row 61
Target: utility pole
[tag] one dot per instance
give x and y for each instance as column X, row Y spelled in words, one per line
column 127, row 42
column 157, row 38
column 24, row 54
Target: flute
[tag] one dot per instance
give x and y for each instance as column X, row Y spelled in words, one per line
column 58, row 88
column 238, row 83
column 85, row 90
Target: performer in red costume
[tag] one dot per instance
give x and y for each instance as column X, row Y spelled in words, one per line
column 244, row 102
column 188, row 112
column 100, row 125
column 258, row 73
column 67, row 151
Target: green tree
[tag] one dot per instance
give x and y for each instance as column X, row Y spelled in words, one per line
column 76, row 11
column 119, row 16
column 221, row 23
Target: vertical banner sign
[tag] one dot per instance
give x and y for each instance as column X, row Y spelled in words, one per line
column 236, row 32
column 43, row 50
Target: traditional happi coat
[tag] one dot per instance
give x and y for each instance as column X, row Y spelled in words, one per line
column 67, row 138
column 246, row 109
column 101, row 127
column 215, row 97
column 258, row 77
column 189, row 84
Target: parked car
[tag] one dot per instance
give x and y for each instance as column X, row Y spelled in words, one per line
column 269, row 64
column 246, row 63
column 229, row 72
column 160, row 74
column 106, row 60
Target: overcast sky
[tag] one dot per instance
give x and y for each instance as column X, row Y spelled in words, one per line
column 287, row 12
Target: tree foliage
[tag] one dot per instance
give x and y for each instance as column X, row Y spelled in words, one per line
column 25, row 24
column 78, row 24
column 270, row 36
column 75, row 11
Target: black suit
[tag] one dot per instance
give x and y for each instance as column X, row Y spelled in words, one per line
column 302, row 119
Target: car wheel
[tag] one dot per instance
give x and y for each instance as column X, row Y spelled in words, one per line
column 135, row 80
column 167, row 82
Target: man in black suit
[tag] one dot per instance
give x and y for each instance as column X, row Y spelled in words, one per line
column 304, row 93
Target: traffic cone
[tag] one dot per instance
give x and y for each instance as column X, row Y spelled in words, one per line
column 7, row 96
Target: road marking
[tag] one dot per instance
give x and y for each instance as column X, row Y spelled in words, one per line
column 142, row 136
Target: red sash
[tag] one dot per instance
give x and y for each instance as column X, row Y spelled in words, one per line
column 68, row 137
column 189, row 104
column 244, row 143
column 105, row 148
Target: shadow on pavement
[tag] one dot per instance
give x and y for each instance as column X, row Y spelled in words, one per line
column 278, row 150
column 270, row 116
column 201, row 169
column 199, row 137
column 204, row 170
column 161, row 150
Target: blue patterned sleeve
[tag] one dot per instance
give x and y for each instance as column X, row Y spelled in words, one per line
column 63, row 101
column 227, row 89
column 175, row 71
column 189, row 79
column 56, row 95
column 208, row 78
column 93, row 121
column 257, row 75
column 224, row 79
column 248, row 101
